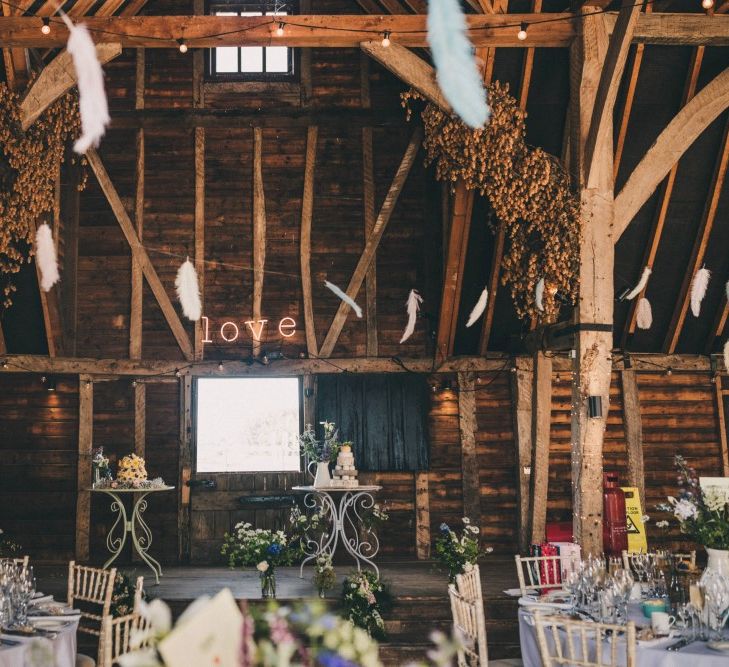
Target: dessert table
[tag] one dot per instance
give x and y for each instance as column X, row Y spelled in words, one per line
column 62, row 647
column 137, row 527
column 342, row 506
column 648, row 654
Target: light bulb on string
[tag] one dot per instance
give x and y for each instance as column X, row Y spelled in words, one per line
column 46, row 27
column 522, row 34
column 707, row 4
column 280, row 29
column 182, row 45
column 386, row 39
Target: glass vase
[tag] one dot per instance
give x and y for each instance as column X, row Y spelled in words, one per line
column 322, row 593
column 268, row 585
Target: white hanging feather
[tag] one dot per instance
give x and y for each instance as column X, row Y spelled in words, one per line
column 726, row 356
column 644, row 314
column 641, row 284
column 413, row 304
column 45, row 254
column 343, row 296
column 188, row 291
column 456, row 71
column 479, row 307
column 92, row 97
column 698, row 289
column 539, row 295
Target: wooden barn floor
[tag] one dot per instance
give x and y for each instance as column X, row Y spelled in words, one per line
column 420, row 593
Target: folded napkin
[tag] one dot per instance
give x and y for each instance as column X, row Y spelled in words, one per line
column 40, row 600
column 62, row 617
column 543, row 604
column 658, row 641
column 516, row 592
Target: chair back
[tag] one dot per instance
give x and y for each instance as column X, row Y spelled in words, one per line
column 93, row 588
column 22, row 562
column 470, row 627
column 468, row 585
column 629, row 558
column 584, row 644
column 116, row 637
column 539, row 572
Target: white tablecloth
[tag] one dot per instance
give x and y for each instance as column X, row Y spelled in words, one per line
column 63, row 646
column 697, row 654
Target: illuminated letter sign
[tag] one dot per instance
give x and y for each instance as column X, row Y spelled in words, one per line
column 222, row 332
column 230, row 332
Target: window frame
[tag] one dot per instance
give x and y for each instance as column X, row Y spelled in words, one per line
column 291, row 76
column 194, row 424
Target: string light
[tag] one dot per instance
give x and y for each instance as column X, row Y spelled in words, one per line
column 134, row 383
column 707, row 4
column 46, row 27
column 220, row 366
column 522, row 34
column 386, row 39
column 280, row 29
column 182, row 45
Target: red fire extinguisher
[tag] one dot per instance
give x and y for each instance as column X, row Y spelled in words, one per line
column 614, row 526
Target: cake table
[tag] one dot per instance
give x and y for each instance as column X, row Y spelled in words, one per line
column 141, row 534
column 344, row 516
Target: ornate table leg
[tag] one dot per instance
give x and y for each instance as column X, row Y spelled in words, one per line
column 116, row 544
column 327, row 543
column 362, row 547
column 142, row 535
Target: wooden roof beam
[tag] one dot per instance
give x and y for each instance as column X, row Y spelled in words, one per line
column 665, row 197
column 347, row 31
column 700, row 244
column 668, row 148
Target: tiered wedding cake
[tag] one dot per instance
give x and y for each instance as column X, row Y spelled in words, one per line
column 345, row 474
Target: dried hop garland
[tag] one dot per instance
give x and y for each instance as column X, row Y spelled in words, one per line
column 29, row 166
column 528, row 190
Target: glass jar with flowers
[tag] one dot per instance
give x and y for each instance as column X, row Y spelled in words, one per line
column 255, row 547
column 703, row 514
column 324, row 576
column 321, row 451
column 100, row 466
column 456, row 553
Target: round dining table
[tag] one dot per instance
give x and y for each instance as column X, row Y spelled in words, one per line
column 649, row 654
column 59, row 651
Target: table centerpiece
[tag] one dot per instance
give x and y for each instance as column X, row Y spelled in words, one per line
column 322, row 452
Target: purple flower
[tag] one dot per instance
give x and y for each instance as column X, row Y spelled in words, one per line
column 273, row 549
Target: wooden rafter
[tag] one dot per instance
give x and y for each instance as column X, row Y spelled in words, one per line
column 347, row 31
column 307, row 207
column 16, row 60
column 540, row 425
column 659, row 218
column 139, row 252
column 373, row 241
column 700, row 244
column 668, row 148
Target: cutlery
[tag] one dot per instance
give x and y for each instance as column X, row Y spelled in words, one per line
column 677, row 646
column 8, row 642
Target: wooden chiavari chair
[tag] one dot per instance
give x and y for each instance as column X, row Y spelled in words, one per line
column 468, row 584
column 93, row 588
column 22, row 562
column 628, row 558
column 116, row 637
column 584, row 644
column 539, row 572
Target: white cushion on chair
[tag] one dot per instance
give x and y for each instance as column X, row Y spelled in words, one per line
column 84, row 661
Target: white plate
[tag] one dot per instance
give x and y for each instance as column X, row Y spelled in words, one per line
column 721, row 646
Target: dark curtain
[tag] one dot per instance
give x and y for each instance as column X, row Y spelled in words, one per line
column 384, row 415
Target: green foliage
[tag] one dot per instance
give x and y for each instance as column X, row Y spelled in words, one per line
column 325, row 449
column 365, row 598
column 453, row 552
column 122, row 599
column 324, row 576
column 264, row 549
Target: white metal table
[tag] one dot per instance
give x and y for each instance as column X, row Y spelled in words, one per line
column 116, row 538
column 343, row 508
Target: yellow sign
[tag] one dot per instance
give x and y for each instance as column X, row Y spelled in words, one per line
column 637, row 541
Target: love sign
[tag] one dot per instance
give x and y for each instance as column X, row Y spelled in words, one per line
column 229, row 331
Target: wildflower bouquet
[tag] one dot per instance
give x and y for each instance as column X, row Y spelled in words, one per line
column 702, row 514
column 324, row 450
column 454, row 553
column 122, row 597
column 364, row 600
column 307, row 530
column 255, row 547
column 324, row 575
column 373, row 518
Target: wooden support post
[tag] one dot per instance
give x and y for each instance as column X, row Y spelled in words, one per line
column 83, row 468
column 70, row 201
column 3, row 346
column 521, row 403
column 198, row 64
column 140, row 419
column 633, row 426
column 200, row 232
column 594, row 312
column 259, row 230
column 540, row 425
column 720, row 413
column 185, row 467
column 468, row 427
column 136, row 314
column 373, row 241
column 138, row 251
column 368, row 196
column 307, row 207
column 422, row 516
